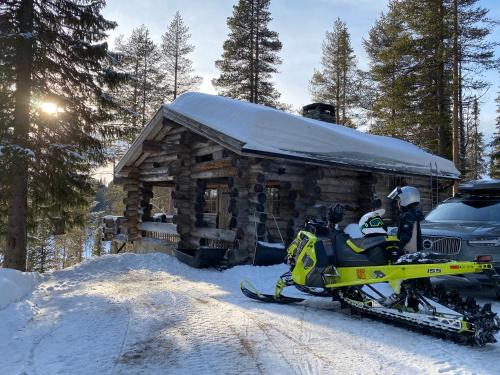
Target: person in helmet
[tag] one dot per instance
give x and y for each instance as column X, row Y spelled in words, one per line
column 410, row 216
column 372, row 223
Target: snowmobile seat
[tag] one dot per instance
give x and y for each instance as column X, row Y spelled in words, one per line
column 361, row 245
column 366, row 251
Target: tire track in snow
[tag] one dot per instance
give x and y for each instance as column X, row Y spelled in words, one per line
column 189, row 331
column 37, row 322
column 124, row 339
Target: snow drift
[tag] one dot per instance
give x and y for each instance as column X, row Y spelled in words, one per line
column 15, row 285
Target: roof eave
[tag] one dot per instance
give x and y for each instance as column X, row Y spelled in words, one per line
column 252, row 152
column 233, row 144
column 197, row 127
column 135, row 150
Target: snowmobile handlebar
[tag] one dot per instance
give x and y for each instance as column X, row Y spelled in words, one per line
column 335, row 214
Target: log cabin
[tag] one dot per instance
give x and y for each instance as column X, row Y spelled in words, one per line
column 241, row 174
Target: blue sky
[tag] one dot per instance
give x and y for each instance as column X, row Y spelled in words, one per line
column 301, row 25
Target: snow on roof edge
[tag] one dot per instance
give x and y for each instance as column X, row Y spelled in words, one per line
column 264, row 130
column 254, row 135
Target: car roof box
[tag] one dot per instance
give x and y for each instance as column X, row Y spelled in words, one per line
column 481, row 187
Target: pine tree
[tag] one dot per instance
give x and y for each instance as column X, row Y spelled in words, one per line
column 176, row 63
column 142, row 93
column 70, row 246
column 475, row 54
column 250, row 56
column 390, row 49
column 336, row 82
column 114, row 198
column 495, row 146
column 455, row 51
column 42, row 255
column 474, row 162
column 429, row 21
column 55, row 52
column 437, row 53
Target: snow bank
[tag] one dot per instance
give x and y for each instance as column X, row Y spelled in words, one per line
column 15, row 285
column 265, row 130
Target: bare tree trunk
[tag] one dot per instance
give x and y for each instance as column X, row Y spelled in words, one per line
column 15, row 251
column 476, row 140
column 64, row 254
column 176, row 64
column 257, row 56
column 337, row 89
column 461, row 120
column 252, row 59
column 455, row 122
column 344, row 84
column 43, row 259
column 441, row 98
column 135, row 104
column 144, row 84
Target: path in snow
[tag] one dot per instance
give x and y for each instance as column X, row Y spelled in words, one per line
column 150, row 314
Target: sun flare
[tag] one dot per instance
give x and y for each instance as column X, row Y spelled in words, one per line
column 49, row 108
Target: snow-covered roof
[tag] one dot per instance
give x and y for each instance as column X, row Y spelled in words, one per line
column 249, row 128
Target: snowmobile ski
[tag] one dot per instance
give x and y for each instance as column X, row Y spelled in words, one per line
column 253, row 293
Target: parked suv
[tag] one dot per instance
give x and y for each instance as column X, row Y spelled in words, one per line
column 466, row 225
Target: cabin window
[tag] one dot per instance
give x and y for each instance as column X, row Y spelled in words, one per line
column 203, row 158
column 211, row 201
column 273, row 199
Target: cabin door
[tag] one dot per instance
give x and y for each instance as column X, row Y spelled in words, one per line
column 222, row 206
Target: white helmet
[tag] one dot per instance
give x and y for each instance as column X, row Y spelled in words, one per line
column 372, row 222
column 406, row 195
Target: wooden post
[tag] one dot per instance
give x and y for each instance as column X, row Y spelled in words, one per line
column 185, row 196
column 131, row 213
column 239, row 208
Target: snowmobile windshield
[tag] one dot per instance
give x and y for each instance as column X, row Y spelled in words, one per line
column 466, row 210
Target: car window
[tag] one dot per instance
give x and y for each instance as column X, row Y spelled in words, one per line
column 466, row 211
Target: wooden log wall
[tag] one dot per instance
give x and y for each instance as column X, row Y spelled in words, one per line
column 132, row 187
column 185, row 195
column 297, row 189
column 254, row 217
column 239, row 209
column 342, row 186
column 204, row 162
column 146, row 193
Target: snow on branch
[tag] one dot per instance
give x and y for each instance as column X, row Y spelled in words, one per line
column 16, row 149
column 69, row 149
column 17, row 35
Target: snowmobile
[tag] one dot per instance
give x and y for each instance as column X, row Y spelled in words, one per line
column 327, row 262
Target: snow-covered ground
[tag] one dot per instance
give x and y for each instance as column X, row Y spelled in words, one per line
column 15, row 285
column 150, row 314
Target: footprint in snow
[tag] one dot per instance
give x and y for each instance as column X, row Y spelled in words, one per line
column 447, row 369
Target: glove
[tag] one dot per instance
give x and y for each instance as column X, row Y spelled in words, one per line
column 336, row 214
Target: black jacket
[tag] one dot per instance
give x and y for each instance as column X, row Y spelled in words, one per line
column 407, row 217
